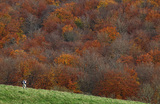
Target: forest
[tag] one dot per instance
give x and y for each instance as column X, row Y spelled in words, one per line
column 108, row 48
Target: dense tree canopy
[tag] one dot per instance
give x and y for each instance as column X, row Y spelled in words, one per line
column 107, row 48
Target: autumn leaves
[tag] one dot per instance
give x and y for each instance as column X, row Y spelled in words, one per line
column 102, row 47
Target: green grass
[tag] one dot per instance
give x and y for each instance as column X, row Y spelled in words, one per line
column 18, row 95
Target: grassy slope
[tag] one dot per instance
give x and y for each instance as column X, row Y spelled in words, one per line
column 18, row 95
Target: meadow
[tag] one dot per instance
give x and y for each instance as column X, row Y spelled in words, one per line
column 18, row 95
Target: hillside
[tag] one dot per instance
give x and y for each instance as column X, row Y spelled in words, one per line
column 17, row 95
column 108, row 48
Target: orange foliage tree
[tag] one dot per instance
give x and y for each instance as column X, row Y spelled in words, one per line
column 108, row 34
column 67, row 77
column 88, row 45
column 37, row 74
column 36, row 41
column 153, row 16
column 34, row 7
column 155, row 56
column 10, row 26
column 67, row 59
column 50, row 24
column 34, row 32
column 67, row 28
column 146, row 58
column 42, row 76
column 119, row 84
column 128, row 60
column 65, row 13
column 60, row 15
column 35, row 47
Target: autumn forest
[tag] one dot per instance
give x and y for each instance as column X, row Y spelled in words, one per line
column 108, row 48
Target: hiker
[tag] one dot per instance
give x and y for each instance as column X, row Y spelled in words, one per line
column 24, row 82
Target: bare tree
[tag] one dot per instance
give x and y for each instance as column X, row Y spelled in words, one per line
column 92, row 67
column 32, row 23
column 145, row 72
column 7, row 69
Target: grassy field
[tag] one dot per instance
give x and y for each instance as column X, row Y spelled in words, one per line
column 18, row 95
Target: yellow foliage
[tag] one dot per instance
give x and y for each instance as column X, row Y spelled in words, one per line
column 65, row 13
column 23, row 37
column 53, row 2
column 104, row 3
column 156, row 3
column 18, row 52
column 66, row 59
column 78, row 22
column 77, row 19
column 126, row 1
column 67, row 28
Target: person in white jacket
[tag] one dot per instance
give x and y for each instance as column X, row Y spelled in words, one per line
column 24, row 82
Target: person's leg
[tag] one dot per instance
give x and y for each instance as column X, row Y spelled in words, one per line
column 25, row 86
